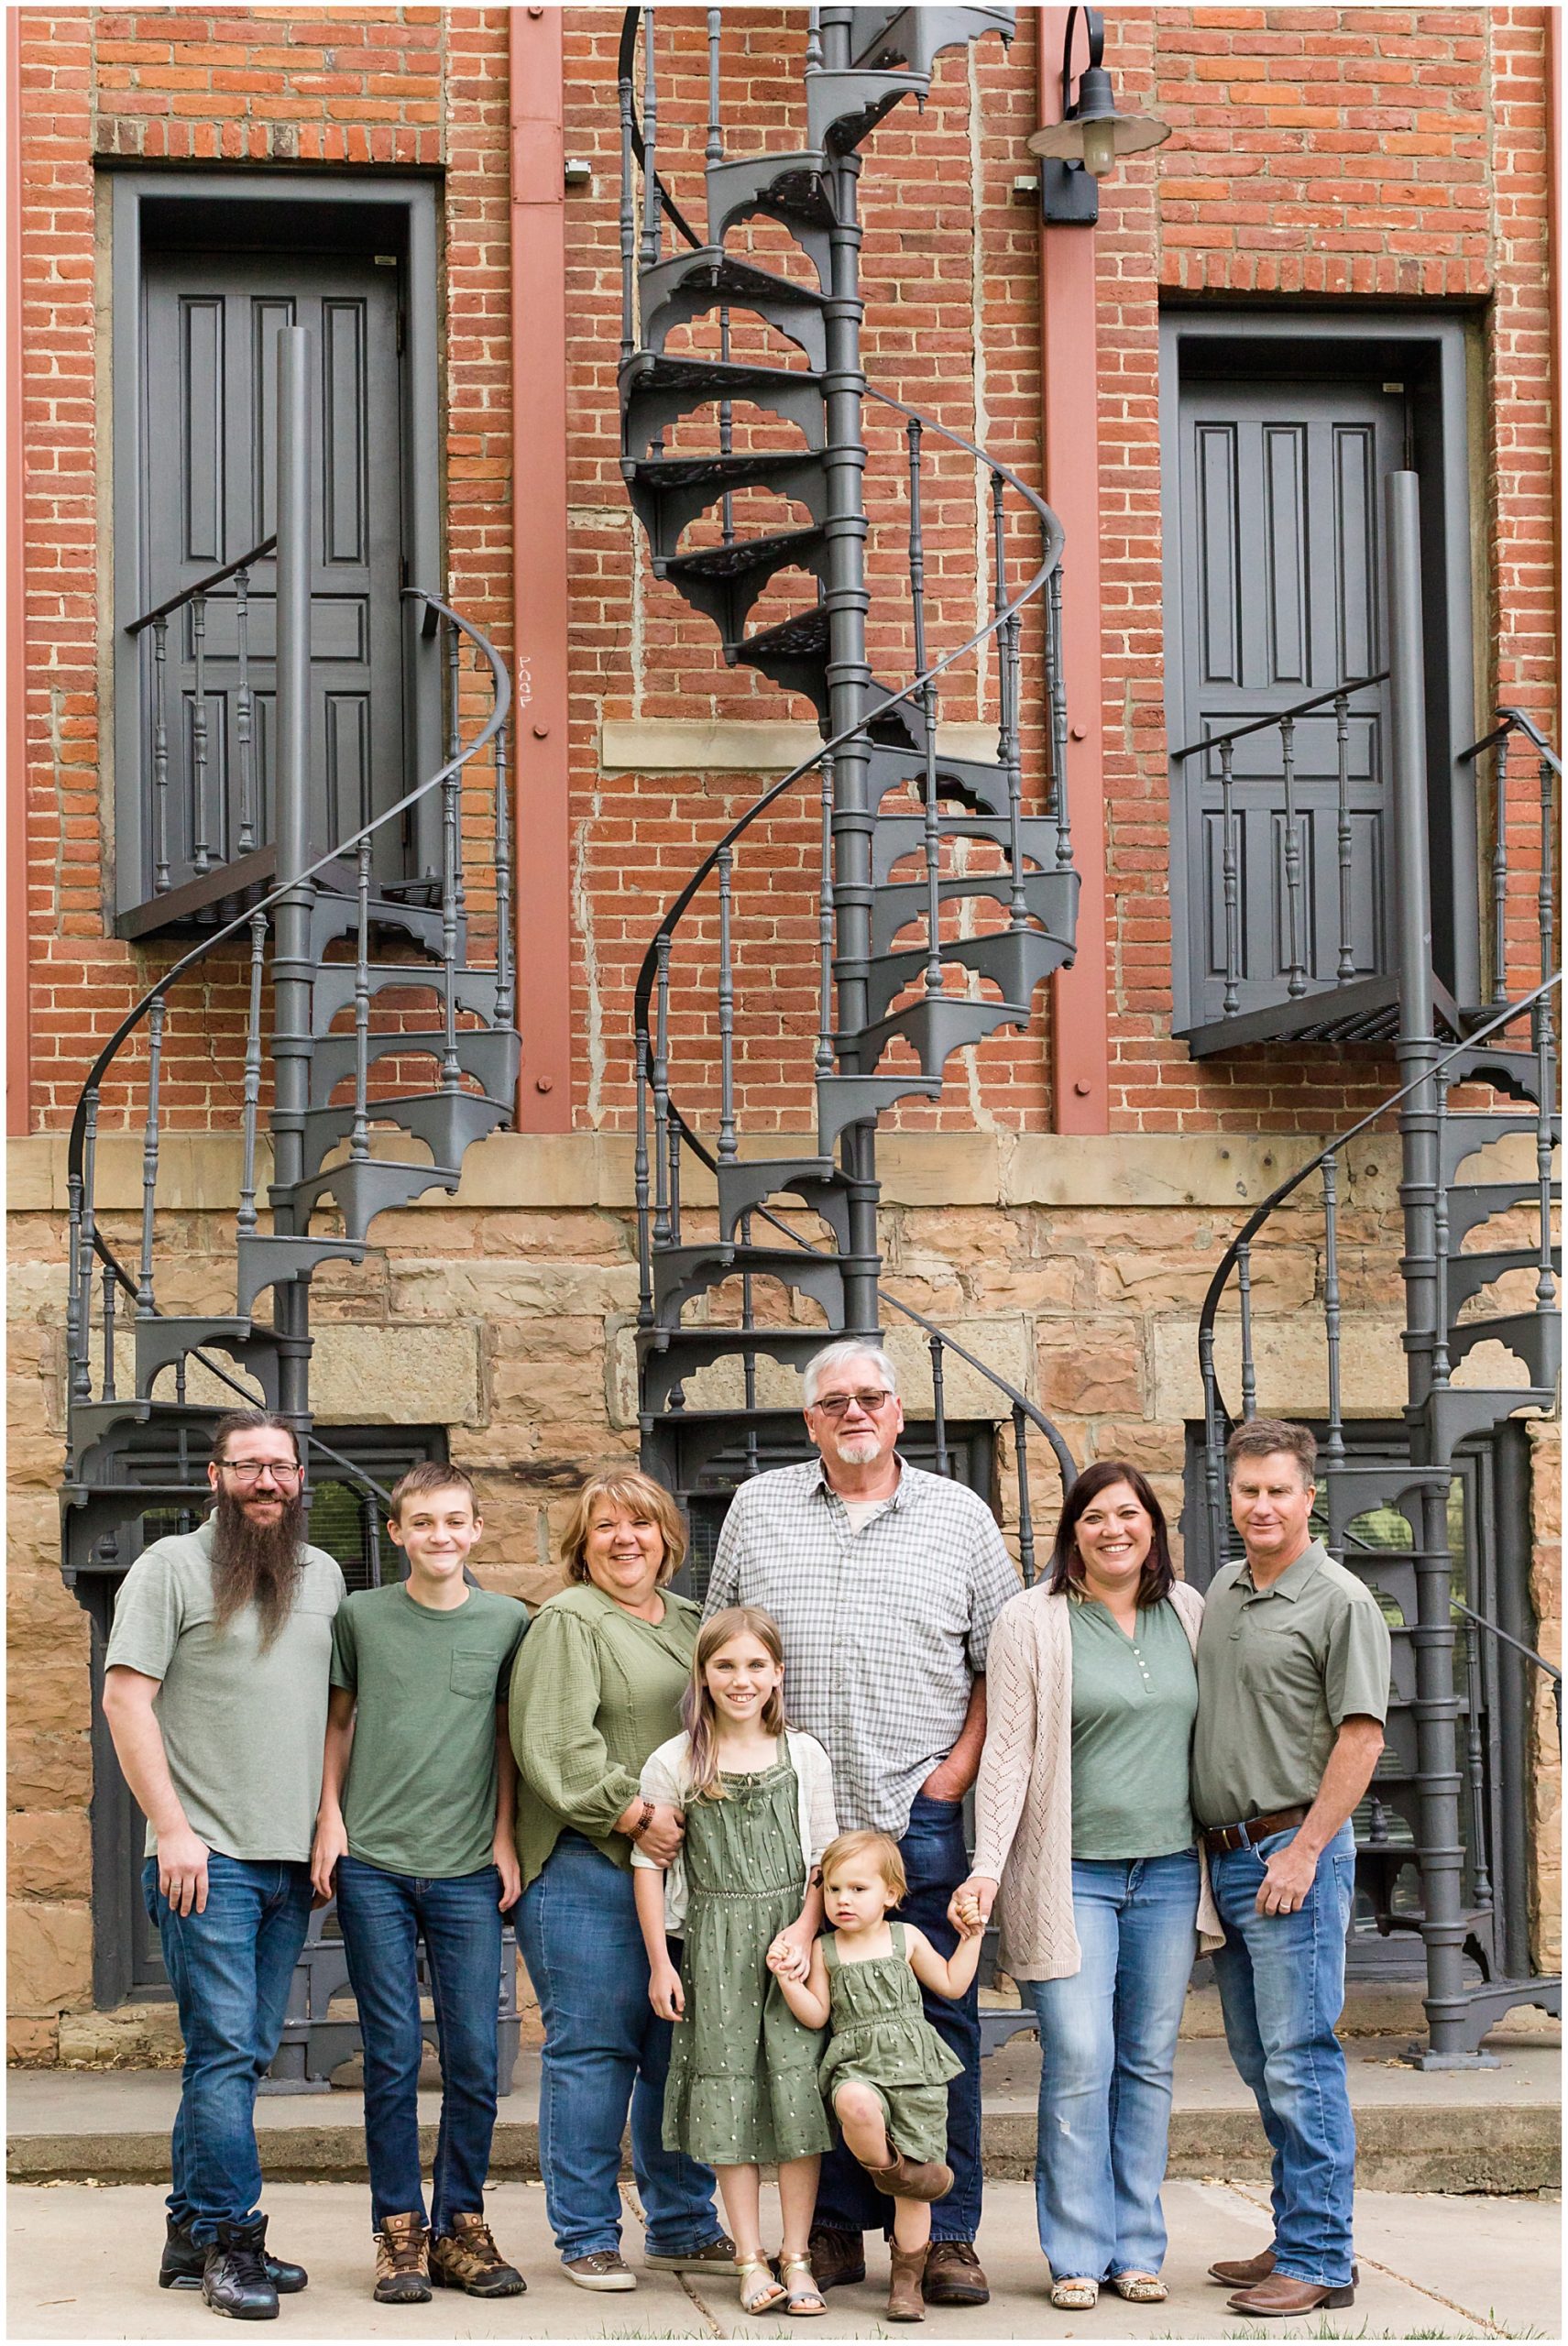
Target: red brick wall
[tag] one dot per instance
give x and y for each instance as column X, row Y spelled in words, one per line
column 1354, row 154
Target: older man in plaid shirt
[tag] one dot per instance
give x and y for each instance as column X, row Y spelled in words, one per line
column 884, row 1582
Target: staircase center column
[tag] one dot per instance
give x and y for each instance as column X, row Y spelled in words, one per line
column 848, row 677
column 291, row 963
column 1436, row 1704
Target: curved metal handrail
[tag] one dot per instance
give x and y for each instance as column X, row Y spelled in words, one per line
column 1260, row 1214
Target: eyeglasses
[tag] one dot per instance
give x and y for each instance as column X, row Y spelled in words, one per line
column 246, row 1470
column 835, row 1405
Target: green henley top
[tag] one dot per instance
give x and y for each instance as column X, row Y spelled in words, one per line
column 593, row 1692
column 1133, row 1702
column 421, row 1792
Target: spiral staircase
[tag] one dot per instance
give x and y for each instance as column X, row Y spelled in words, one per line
column 946, row 891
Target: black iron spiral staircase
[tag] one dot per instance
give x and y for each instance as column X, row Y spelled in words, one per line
column 344, row 1031
column 1448, row 1793
column 991, row 896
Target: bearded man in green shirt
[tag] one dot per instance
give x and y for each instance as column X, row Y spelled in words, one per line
column 1293, row 1665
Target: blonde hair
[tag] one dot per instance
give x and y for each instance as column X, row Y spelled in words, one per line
column 696, row 1704
column 880, row 1846
column 628, row 1487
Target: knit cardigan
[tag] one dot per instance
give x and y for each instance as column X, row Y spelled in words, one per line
column 1023, row 1796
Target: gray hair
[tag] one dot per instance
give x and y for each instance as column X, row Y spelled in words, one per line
column 838, row 1355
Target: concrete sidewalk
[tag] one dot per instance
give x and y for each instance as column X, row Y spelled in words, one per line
column 82, row 2261
column 1480, row 2130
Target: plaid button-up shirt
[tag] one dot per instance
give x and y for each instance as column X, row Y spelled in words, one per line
column 884, row 1629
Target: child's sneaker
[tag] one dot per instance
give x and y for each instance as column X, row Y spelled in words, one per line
column 402, row 2262
column 467, row 2258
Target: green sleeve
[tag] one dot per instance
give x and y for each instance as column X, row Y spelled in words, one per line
column 1355, row 1675
column 344, row 1652
column 148, row 1618
column 554, row 1716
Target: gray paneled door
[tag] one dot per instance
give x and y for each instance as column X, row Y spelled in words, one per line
column 210, row 473
column 1279, row 510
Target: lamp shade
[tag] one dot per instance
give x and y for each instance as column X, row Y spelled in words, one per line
column 1130, row 133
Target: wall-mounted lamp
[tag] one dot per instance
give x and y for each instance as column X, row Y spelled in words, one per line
column 1077, row 152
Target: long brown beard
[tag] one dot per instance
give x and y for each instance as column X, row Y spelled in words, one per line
column 256, row 1564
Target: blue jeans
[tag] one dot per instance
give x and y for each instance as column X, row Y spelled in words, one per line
column 383, row 1916
column 230, row 1967
column 1107, row 2050
column 1282, row 1988
column 847, row 2200
column 605, row 2051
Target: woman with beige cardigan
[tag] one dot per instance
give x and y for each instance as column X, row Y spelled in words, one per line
column 1085, row 1841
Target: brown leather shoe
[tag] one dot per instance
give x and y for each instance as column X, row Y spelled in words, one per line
column 1246, row 2272
column 1278, row 2296
column 467, row 2258
column 402, row 2262
column 953, row 2276
column 905, row 2301
column 836, row 2258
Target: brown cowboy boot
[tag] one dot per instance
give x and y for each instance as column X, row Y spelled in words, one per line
column 1278, row 2294
column 905, row 2300
column 1246, row 2272
column 904, row 2178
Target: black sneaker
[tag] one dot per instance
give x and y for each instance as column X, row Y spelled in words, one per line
column 182, row 2263
column 234, row 2279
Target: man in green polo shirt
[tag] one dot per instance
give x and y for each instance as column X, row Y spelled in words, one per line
column 1293, row 1661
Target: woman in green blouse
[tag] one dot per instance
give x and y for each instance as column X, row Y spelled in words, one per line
column 597, row 1687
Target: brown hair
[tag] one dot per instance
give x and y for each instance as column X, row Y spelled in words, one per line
column 430, row 1475
column 250, row 1421
column 1067, row 1564
column 1272, row 1437
column 696, row 1702
column 880, row 1846
column 628, row 1487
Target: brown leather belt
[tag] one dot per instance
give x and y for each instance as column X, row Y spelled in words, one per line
column 1217, row 1839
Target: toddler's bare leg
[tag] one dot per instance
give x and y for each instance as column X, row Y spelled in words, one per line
column 859, row 2112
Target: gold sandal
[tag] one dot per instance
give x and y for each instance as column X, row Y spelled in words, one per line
column 1075, row 2296
column 802, row 2295
column 757, row 2296
column 1140, row 2288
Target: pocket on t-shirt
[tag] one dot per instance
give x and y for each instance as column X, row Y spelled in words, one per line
column 474, row 1671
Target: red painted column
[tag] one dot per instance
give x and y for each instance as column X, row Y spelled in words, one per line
column 539, row 568
column 18, row 1018
column 1070, row 383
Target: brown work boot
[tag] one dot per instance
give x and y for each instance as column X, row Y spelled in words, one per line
column 953, row 2275
column 904, row 2178
column 836, row 2258
column 1277, row 2295
column 1246, row 2272
column 402, row 2262
column 905, row 2301
column 467, row 2258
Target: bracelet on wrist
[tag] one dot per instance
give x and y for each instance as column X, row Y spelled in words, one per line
column 640, row 1826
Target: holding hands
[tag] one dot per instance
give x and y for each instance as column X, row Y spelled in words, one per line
column 969, row 1908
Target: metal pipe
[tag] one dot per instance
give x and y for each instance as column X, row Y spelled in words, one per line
column 825, row 930
column 245, row 1220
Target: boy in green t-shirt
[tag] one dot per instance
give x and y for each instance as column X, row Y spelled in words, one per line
column 416, row 1824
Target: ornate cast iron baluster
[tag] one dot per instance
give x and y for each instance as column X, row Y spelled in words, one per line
column 1249, row 1365
column 1545, row 1038
column 360, row 1141
column 749, row 1358
column 160, row 755
column 1345, row 967
column 726, row 1149
column 1061, row 806
column 1214, row 1448
column 146, row 1305
column 640, row 1164
column 246, row 1219
column 505, row 967
column 1475, row 1763
column 1025, row 1513
column 1230, row 868
column 201, row 858
column 244, row 712
column 653, row 223
column 825, row 930
column 1295, row 955
column 627, row 226
column 74, row 1334
column 939, row 1405
column 106, row 1391
column 1335, row 1450
column 1007, row 744
column 451, row 850
column 1500, row 873
column 1440, row 1367
column 928, row 706
column 82, row 1376
column 661, row 1096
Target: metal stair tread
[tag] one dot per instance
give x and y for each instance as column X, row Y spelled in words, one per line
column 712, row 267
column 754, row 468
column 844, row 105
column 657, row 370
column 803, row 635
column 745, row 554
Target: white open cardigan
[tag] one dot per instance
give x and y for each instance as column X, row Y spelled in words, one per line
column 666, row 1779
column 1023, row 1796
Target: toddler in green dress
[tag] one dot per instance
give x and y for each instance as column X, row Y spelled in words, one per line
column 885, row 2071
column 745, row 1892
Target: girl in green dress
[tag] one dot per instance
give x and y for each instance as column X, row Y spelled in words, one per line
column 885, row 2072
column 746, row 1894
